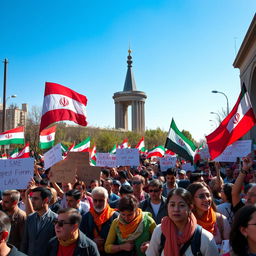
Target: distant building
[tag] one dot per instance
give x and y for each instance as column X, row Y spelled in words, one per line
column 14, row 116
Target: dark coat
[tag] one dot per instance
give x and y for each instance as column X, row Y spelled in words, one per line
column 85, row 247
column 145, row 206
column 34, row 240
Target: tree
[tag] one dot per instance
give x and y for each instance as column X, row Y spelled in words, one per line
column 188, row 135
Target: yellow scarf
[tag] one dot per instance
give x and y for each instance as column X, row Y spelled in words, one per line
column 128, row 228
column 70, row 241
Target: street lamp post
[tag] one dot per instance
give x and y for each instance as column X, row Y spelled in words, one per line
column 214, row 122
column 4, row 93
column 214, row 113
column 214, row 91
column 12, row 96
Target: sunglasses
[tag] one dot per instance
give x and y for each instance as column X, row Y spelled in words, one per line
column 203, row 196
column 60, row 223
column 136, row 182
column 154, row 190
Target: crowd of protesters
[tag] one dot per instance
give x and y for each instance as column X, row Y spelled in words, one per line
column 135, row 211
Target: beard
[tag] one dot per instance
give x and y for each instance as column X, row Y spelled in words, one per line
column 99, row 209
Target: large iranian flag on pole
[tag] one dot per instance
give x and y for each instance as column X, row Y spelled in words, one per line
column 177, row 142
column 84, row 146
column 238, row 122
column 62, row 103
column 14, row 136
column 157, row 151
column 47, row 137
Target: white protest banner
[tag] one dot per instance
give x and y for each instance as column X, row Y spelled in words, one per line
column 167, row 162
column 127, row 157
column 106, row 160
column 240, row 148
column 52, row 156
column 16, row 173
column 204, row 153
column 188, row 167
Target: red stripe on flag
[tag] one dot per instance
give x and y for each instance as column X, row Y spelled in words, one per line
column 48, row 131
column 53, row 88
column 62, row 115
column 18, row 129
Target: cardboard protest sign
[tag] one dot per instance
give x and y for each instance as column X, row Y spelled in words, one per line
column 167, row 162
column 16, row 173
column 127, row 157
column 52, row 156
column 240, row 148
column 76, row 163
column 106, row 160
column 188, row 167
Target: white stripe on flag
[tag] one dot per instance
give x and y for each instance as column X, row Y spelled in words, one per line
column 15, row 135
column 45, row 138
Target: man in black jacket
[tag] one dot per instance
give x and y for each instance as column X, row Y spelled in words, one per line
column 69, row 240
column 5, row 227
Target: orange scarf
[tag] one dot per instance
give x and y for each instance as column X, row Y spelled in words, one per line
column 128, row 228
column 208, row 220
column 100, row 218
column 173, row 240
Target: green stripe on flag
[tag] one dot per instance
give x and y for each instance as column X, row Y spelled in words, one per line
column 12, row 141
column 46, row 145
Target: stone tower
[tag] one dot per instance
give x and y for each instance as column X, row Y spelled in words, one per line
column 130, row 97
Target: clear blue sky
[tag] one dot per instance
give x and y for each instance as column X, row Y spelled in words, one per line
column 181, row 50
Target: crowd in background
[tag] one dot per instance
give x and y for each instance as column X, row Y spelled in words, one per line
column 135, row 211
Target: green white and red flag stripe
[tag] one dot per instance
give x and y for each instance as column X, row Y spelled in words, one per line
column 14, row 153
column 13, row 136
column 24, row 153
column 238, row 122
column 64, row 149
column 83, row 146
column 113, row 150
column 169, row 152
column 124, row 144
column 4, row 156
column 47, row 137
column 157, row 151
column 62, row 103
column 93, row 156
column 141, row 146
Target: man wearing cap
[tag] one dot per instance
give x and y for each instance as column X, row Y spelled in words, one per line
column 107, row 183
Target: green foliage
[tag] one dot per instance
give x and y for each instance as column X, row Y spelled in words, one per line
column 189, row 136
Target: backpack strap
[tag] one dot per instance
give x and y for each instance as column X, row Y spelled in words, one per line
column 194, row 241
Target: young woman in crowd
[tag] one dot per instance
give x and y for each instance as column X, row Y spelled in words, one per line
column 243, row 232
column 176, row 235
column 130, row 233
column 205, row 212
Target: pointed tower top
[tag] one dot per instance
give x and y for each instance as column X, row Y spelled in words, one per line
column 129, row 84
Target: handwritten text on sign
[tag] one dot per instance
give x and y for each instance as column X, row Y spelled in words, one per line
column 52, row 156
column 240, row 148
column 167, row 162
column 16, row 173
column 127, row 157
column 106, row 160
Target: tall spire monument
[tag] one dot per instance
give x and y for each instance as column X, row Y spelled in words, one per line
column 130, row 97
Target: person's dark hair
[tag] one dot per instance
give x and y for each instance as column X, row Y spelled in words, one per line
column 44, row 182
column 181, row 192
column 128, row 203
column 192, row 188
column 195, row 176
column 170, row 171
column 76, row 194
column 183, row 183
column 238, row 241
column 81, row 183
column 74, row 215
column 248, row 187
column 44, row 192
column 106, row 172
column 109, row 180
column 227, row 189
column 13, row 194
column 155, row 183
column 5, row 223
column 123, row 174
column 144, row 174
column 126, row 189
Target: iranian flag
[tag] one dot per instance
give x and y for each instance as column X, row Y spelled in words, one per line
column 238, row 122
column 113, row 150
column 141, row 146
column 62, row 103
column 47, row 137
column 169, row 152
column 124, row 144
column 157, row 151
column 93, row 156
column 14, row 153
column 24, row 153
column 14, row 136
column 177, row 142
column 64, row 149
column 84, row 146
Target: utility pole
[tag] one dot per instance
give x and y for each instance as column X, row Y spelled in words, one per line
column 4, row 94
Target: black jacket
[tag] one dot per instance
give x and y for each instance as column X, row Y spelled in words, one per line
column 85, row 247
